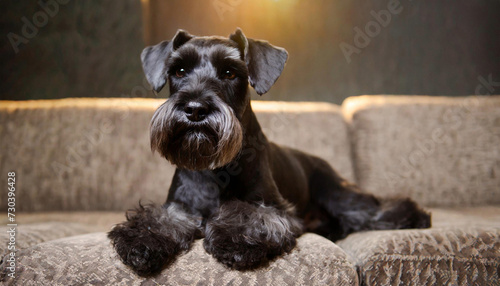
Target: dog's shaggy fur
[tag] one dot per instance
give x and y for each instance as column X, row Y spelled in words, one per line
column 249, row 198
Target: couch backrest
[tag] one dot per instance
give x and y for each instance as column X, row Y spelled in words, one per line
column 94, row 154
column 441, row 151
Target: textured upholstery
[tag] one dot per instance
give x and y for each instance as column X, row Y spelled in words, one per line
column 381, row 256
column 81, row 154
column 93, row 154
column 35, row 228
column 447, row 256
column 32, row 234
column 462, row 248
column 90, row 260
column 441, row 151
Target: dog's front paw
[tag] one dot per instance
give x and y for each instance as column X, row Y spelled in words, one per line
column 142, row 250
column 152, row 237
column 243, row 236
column 239, row 255
column 237, row 249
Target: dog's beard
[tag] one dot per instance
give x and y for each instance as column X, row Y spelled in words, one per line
column 209, row 144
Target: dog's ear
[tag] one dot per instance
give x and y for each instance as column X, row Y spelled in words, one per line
column 265, row 62
column 154, row 59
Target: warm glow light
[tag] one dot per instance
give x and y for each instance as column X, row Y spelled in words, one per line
column 263, row 15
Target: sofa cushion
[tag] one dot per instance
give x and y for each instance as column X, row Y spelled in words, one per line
column 462, row 248
column 35, row 228
column 441, row 151
column 94, row 221
column 27, row 235
column 90, row 259
column 94, row 154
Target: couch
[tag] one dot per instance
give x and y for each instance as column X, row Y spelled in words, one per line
column 81, row 163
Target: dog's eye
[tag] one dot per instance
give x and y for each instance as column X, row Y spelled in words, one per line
column 229, row 75
column 180, row 72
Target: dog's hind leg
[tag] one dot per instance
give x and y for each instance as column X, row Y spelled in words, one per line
column 152, row 236
column 345, row 209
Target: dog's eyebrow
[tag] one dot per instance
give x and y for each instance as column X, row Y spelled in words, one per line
column 221, row 53
column 187, row 57
column 233, row 53
column 226, row 57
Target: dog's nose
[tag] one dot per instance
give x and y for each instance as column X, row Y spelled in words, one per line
column 196, row 111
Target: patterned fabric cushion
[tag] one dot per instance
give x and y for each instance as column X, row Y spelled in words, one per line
column 460, row 256
column 441, row 151
column 462, row 249
column 27, row 235
column 90, row 260
column 93, row 154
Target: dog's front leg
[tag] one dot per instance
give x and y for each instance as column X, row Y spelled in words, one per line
column 152, row 236
column 244, row 235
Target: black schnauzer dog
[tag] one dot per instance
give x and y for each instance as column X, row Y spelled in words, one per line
column 249, row 198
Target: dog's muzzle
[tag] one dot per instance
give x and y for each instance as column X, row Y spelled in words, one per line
column 197, row 134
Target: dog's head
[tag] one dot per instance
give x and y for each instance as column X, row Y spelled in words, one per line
column 199, row 126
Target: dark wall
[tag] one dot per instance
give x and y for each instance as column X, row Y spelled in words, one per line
column 86, row 49
column 91, row 48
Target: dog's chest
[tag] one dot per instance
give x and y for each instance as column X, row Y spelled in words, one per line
column 197, row 190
